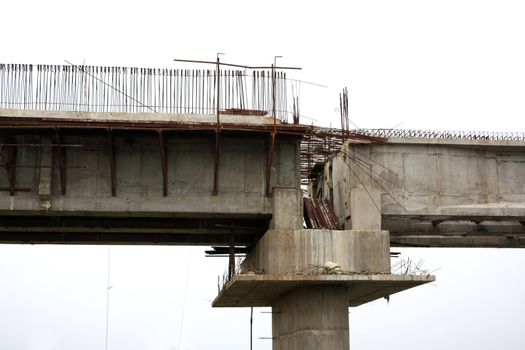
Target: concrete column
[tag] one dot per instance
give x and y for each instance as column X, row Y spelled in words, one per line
column 290, row 271
column 314, row 316
column 365, row 209
column 311, row 318
column 287, row 208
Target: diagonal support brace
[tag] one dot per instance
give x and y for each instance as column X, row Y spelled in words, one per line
column 164, row 162
column 269, row 158
column 112, row 162
column 61, row 156
column 12, row 153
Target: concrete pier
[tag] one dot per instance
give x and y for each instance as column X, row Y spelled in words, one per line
column 311, row 276
column 290, row 270
column 311, row 318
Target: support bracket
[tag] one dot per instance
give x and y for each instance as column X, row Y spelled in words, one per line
column 216, row 163
column 269, row 158
column 61, row 156
column 10, row 168
column 164, row 162
column 112, row 162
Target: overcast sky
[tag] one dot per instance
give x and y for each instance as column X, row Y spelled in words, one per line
column 456, row 65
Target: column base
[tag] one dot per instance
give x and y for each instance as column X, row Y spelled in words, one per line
column 311, row 318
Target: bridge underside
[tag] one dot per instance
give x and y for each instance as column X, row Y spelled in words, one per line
column 118, row 228
column 455, row 231
column 122, row 229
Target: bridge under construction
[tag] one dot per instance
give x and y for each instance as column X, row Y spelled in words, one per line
column 114, row 155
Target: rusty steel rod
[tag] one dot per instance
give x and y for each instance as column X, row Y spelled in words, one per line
column 61, row 162
column 112, row 162
column 137, row 90
column 164, row 162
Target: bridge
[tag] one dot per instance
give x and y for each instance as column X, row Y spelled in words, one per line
column 431, row 189
column 111, row 155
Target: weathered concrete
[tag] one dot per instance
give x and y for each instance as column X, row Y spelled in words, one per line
column 432, row 188
column 89, row 212
column 139, row 177
column 264, row 290
column 311, row 318
column 365, row 210
column 307, row 251
column 186, row 118
column 288, row 208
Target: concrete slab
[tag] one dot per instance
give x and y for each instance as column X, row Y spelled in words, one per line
column 137, row 117
column 263, row 290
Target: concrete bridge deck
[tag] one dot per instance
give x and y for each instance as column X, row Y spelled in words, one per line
column 432, row 192
column 94, row 178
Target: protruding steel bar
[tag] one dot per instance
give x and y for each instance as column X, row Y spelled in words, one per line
column 273, row 101
column 122, row 89
column 217, row 132
column 234, row 65
column 269, row 154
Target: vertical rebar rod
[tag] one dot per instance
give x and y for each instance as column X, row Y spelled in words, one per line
column 217, row 132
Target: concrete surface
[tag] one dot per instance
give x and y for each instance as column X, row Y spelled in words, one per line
column 142, row 117
column 365, row 209
column 307, row 251
column 139, row 175
column 263, row 290
column 300, row 324
column 288, row 208
column 88, row 204
column 432, row 188
column 287, row 270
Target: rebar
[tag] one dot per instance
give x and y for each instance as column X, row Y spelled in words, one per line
column 443, row 134
column 138, row 90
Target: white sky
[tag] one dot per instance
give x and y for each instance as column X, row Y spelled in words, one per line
column 426, row 64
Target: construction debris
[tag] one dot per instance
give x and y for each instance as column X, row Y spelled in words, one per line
column 318, row 213
column 332, row 268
